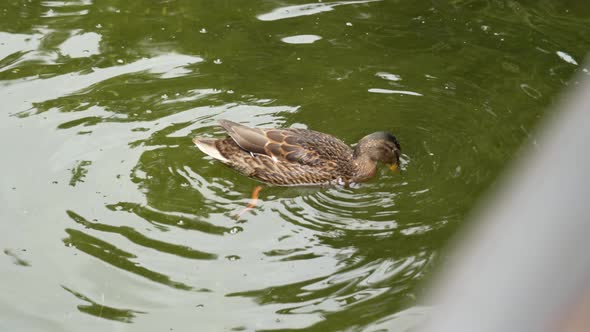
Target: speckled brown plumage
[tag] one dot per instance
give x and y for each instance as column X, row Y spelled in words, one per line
column 299, row 156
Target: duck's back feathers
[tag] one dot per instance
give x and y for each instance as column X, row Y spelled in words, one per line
column 287, row 145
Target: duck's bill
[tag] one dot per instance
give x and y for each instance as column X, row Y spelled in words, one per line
column 393, row 167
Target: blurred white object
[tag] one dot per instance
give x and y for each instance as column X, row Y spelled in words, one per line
column 526, row 264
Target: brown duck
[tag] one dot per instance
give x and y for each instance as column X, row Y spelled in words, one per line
column 297, row 157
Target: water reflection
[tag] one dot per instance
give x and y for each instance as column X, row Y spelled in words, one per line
column 110, row 254
column 79, row 172
column 82, row 45
column 301, row 39
column 102, row 311
column 16, row 258
column 306, row 9
column 102, row 99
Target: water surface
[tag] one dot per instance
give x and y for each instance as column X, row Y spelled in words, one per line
column 110, row 218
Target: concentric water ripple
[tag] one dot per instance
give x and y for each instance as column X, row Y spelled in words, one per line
column 342, row 209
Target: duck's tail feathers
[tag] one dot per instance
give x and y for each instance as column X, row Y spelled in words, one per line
column 208, row 146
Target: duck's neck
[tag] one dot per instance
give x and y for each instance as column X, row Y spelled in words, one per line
column 365, row 168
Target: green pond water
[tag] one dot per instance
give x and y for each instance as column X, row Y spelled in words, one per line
column 111, row 219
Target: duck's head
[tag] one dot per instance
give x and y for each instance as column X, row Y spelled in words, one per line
column 380, row 146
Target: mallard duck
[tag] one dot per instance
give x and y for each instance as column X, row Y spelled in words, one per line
column 297, row 157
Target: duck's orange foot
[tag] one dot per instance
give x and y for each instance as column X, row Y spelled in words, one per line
column 252, row 204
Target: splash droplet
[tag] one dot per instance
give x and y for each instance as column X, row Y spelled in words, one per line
column 235, row 230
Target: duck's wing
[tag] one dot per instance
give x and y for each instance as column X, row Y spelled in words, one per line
column 290, row 145
column 250, row 139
